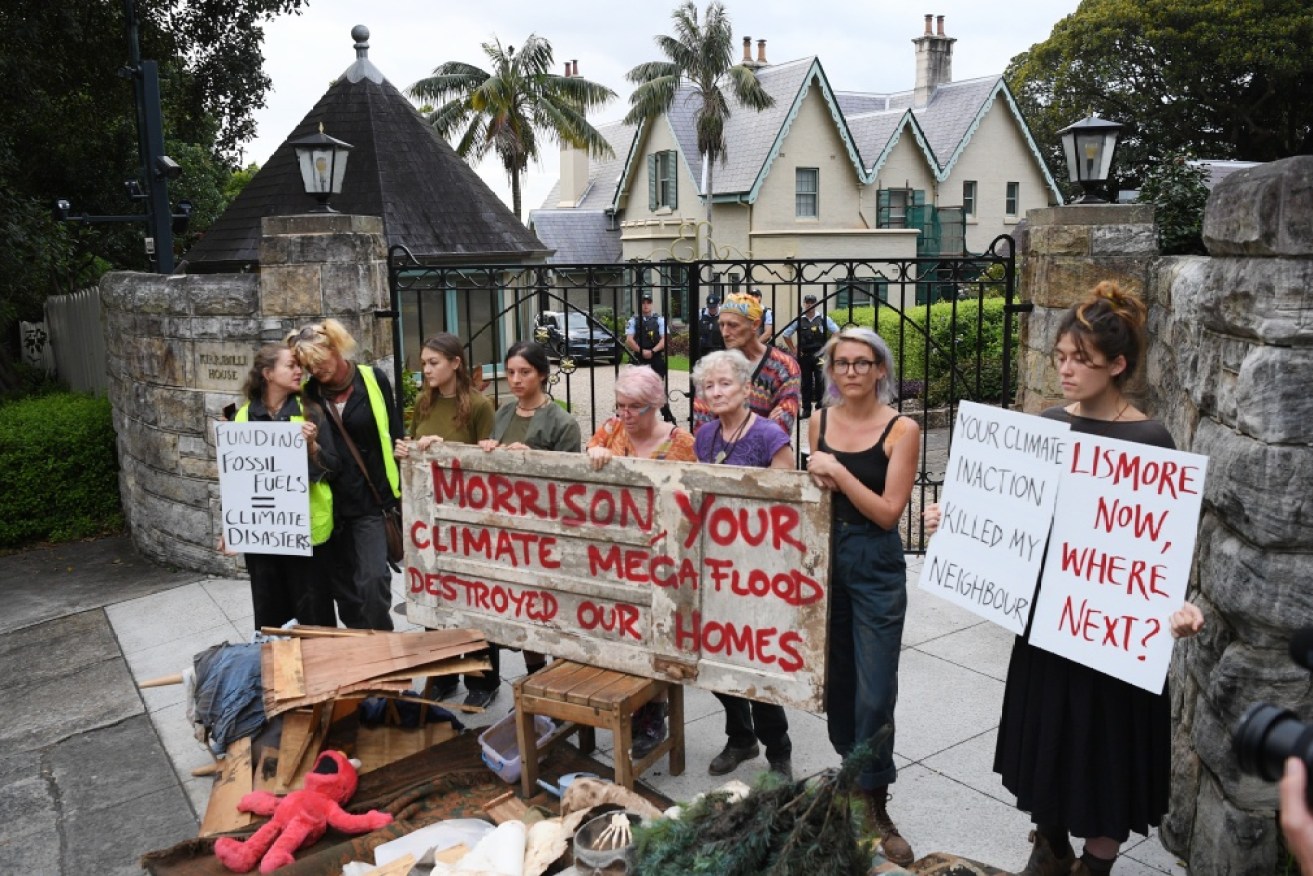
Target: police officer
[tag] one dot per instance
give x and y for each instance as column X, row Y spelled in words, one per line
column 813, row 330
column 709, row 326
column 766, row 330
column 645, row 336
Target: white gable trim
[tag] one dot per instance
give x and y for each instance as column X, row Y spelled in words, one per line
column 907, row 121
column 1001, row 87
column 814, row 74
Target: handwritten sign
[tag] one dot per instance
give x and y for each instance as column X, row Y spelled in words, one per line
column 264, row 488
column 997, row 503
column 715, row 576
column 1119, row 557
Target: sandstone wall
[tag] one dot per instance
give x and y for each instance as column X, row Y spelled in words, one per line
column 179, row 348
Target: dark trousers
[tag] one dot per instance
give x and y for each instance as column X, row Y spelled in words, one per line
column 868, row 604
column 813, row 381
column 362, row 579
column 491, row 679
column 658, row 364
column 287, row 587
column 747, row 721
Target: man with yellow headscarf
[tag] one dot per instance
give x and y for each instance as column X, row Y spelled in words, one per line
column 776, row 381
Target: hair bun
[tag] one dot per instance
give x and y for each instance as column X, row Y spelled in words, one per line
column 1124, row 304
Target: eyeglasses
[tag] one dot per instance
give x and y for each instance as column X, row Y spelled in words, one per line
column 859, row 366
column 309, row 333
column 636, row 409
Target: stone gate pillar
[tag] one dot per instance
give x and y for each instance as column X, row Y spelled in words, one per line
column 179, row 348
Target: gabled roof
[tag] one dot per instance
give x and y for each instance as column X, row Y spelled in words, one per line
column 430, row 200
column 579, row 236
column 877, row 133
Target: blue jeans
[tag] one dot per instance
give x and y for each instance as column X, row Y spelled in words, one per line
column 362, row 580
column 868, row 603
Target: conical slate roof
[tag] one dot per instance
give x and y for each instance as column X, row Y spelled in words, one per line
column 431, row 201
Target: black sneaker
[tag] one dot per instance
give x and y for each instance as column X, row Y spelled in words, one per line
column 783, row 767
column 730, row 758
column 481, row 698
column 443, row 687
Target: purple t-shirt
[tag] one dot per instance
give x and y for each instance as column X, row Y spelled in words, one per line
column 762, row 440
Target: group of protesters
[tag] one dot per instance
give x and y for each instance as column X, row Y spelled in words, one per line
column 1085, row 754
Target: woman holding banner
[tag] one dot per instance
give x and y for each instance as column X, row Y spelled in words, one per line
column 871, row 484
column 531, row 421
column 450, row 409
column 635, row 431
column 285, row 587
column 738, row 436
column 1088, row 754
column 365, row 424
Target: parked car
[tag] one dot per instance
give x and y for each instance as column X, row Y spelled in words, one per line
column 573, row 334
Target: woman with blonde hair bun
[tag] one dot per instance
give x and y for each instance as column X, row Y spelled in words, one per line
column 1087, row 754
column 361, row 413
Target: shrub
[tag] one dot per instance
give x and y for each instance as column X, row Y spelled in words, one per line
column 1178, row 191
column 677, row 343
column 58, row 469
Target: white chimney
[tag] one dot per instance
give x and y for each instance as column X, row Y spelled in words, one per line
column 934, row 61
column 574, row 162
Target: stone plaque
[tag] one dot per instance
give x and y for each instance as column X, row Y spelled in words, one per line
column 223, row 366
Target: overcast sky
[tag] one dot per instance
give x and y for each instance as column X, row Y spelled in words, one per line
column 864, row 46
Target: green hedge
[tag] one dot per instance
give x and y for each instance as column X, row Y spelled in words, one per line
column 58, row 469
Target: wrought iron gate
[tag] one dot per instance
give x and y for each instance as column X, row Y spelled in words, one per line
column 951, row 323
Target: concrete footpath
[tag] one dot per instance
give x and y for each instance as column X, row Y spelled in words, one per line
column 94, row 772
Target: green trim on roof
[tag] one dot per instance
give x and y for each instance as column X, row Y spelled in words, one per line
column 908, row 120
column 986, row 105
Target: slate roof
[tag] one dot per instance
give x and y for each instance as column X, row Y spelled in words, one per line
column 430, row 200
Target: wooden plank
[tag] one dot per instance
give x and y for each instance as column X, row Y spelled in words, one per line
column 232, row 784
column 298, row 727
column 379, row 746
column 162, row 681
column 585, row 692
column 557, row 682
column 507, row 807
column 289, row 677
column 400, row 867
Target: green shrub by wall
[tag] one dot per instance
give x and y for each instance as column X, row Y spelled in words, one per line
column 58, row 469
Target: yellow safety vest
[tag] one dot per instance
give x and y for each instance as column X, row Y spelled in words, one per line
column 378, row 405
column 321, row 494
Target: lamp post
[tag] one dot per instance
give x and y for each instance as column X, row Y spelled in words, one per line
column 323, row 164
column 1089, row 145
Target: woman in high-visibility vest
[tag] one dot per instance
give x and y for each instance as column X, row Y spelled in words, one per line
column 358, row 400
column 284, row 587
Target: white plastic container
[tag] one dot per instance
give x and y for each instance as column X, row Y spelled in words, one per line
column 501, row 750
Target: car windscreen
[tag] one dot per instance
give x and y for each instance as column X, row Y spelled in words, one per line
column 576, row 322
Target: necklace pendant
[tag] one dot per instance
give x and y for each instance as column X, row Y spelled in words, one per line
column 720, row 456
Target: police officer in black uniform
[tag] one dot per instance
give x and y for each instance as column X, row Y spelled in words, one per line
column 645, row 335
column 813, row 330
column 709, row 326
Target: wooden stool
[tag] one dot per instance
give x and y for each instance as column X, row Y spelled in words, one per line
column 585, row 697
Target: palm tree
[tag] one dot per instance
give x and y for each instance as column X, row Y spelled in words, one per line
column 504, row 110
column 700, row 56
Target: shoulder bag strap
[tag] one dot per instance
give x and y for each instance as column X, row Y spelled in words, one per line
column 351, row 445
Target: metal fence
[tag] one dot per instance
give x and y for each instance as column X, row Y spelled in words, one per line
column 951, row 323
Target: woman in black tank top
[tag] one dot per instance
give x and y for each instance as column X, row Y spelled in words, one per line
column 871, row 484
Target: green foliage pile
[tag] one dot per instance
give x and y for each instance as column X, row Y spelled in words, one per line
column 58, row 469
column 1179, row 193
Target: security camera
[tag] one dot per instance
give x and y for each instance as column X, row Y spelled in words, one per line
column 134, row 190
column 61, row 210
column 167, row 167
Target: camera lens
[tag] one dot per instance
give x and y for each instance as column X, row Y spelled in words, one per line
column 1266, row 735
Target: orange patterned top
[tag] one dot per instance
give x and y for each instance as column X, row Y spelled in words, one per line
column 613, row 435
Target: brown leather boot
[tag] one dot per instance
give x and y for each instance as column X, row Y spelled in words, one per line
column 895, row 848
column 1043, row 862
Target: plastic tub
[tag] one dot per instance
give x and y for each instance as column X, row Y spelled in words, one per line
column 501, row 750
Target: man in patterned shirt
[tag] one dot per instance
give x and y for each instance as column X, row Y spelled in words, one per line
column 774, row 392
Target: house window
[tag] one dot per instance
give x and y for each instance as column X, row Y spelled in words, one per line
column 662, row 182
column 807, row 193
column 1013, row 199
column 892, row 206
column 861, row 293
column 969, row 197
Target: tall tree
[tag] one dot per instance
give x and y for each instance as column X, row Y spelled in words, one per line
column 1213, row 78
column 503, row 111
column 699, row 65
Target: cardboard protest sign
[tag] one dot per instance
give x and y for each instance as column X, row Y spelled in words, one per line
column 1119, row 556
column 997, row 503
column 715, row 576
column 264, row 487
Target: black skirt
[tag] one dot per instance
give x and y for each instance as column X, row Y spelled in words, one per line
column 1083, row 750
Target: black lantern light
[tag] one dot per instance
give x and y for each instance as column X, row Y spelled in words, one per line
column 323, row 164
column 1089, row 145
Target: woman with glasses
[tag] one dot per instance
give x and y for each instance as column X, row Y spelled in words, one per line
column 1087, row 754
column 530, row 421
column 740, row 436
column 358, row 400
column 871, row 482
column 636, row 430
column 449, row 408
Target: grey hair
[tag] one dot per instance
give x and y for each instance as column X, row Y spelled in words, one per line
column 884, row 387
column 642, row 383
column 734, row 360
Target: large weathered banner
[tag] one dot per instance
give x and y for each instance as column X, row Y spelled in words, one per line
column 997, row 504
column 1119, row 556
column 264, row 487
column 715, row 576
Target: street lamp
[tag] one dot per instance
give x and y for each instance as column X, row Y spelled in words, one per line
column 323, row 164
column 1089, row 145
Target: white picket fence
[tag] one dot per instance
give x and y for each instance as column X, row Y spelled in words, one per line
column 78, row 340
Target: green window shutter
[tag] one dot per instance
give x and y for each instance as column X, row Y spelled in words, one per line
column 652, row 181
column 882, row 208
column 674, row 179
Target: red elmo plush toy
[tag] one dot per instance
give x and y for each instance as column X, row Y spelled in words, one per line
column 299, row 819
